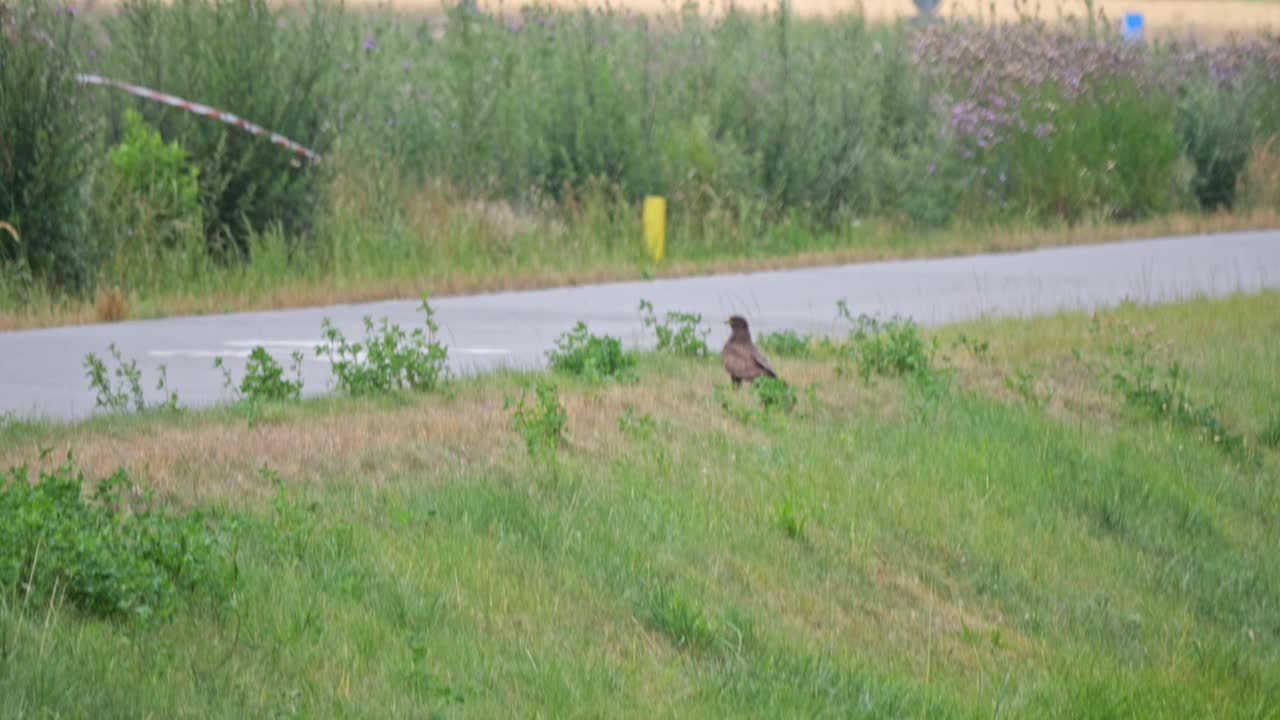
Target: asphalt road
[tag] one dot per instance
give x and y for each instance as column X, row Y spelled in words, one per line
column 42, row 371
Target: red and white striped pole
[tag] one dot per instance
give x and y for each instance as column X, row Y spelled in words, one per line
column 199, row 109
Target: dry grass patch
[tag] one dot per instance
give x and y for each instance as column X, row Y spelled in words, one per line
column 111, row 306
column 1259, row 185
column 903, row 612
column 218, row 455
column 1037, row 363
column 200, row 456
column 948, row 627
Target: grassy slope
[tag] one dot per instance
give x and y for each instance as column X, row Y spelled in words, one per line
column 880, row 552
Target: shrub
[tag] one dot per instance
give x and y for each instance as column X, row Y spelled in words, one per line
column 785, row 343
column 147, row 196
column 128, row 386
column 594, row 358
column 678, row 333
column 892, row 347
column 1213, row 123
column 127, row 389
column 244, row 57
column 389, row 359
column 1229, row 102
column 1111, row 154
column 834, row 117
column 44, row 159
column 773, row 394
column 115, row 554
column 704, row 172
column 1046, row 123
column 264, row 378
column 541, row 423
column 1162, row 391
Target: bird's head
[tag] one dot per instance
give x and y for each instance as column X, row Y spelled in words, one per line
column 737, row 322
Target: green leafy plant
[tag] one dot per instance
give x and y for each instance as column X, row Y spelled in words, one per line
column 767, row 396
column 542, row 420
column 115, row 553
column 295, row 519
column 264, row 379
column 1100, row 159
column 1161, row 391
column 742, row 412
column 791, row 520
column 594, row 358
column 127, row 388
column 893, row 348
column 1023, row 383
column 979, row 348
column 1215, row 126
column 148, row 193
column 389, row 359
column 677, row 333
column 128, row 382
column 786, row 343
column 678, row 616
column 636, row 425
column 170, row 403
column 773, row 394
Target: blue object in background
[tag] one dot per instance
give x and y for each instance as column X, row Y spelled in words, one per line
column 1132, row 28
column 927, row 8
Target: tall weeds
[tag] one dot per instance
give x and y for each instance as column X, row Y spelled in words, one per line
column 468, row 141
column 242, row 56
column 44, row 157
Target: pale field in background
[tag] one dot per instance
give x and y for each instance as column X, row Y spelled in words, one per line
column 1203, row 18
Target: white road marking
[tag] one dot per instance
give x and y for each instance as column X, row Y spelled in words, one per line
column 275, row 343
column 200, row 353
column 318, row 343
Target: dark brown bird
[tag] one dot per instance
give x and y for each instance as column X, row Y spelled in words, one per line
column 740, row 357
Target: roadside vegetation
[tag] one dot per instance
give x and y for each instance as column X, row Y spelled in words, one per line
column 467, row 150
column 1066, row 517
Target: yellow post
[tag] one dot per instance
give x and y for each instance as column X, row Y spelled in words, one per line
column 655, row 226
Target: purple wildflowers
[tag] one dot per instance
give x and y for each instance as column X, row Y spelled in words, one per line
column 986, row 76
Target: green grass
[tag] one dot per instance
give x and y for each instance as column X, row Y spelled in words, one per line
column 881, row 550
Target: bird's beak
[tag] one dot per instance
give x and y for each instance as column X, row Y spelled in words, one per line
column 726, row 322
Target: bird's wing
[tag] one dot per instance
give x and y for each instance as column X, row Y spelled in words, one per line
column 738, row 360
column 758, row 358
